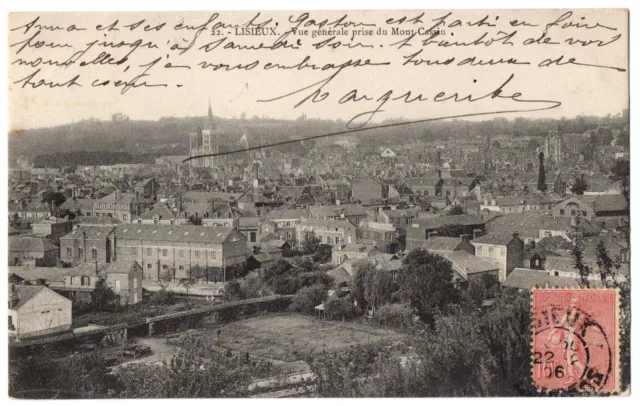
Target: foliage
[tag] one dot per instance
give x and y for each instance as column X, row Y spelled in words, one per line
column 578, row 261
column 186, row 283
column 361, row 267
column 103, row 297
column 306, row 300
column 476, row 292
column 253, row 285
column 341, row 308
column 196, row 221
column 323, row 253
column 620, row 172
column 425, row 280
column 579, row 186
column 162, row 297
column 55, row 198
column 394, row 315
column 451, row 230
column 542, row 183
column 310, row 243
column 84, row 375
column 378, row 287
column 233, row 291
column 456, row 210
column 194, row 372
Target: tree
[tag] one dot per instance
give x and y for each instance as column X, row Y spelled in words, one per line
column 186, row 283
column 322, row 253
column 253, row 285
column 542, row 182
column 306, row 300
column 578, row 261
column 620, row 173
column 198, row 273
column 54, row 198
column 579, row 186
column 357, row 286
column 456, row 210
column 378, row 287
column 196, row 221
column 310, row 243
column 395, row 315
column 341, row 308
column 425, row 280
column 102, row 296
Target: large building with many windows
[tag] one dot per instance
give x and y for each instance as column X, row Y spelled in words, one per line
column 173, row 251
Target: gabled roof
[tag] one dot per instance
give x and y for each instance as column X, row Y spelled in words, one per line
column 445, row 244
column 31, row 273
column 521, row 278
column 25, row 293
column 162, row 212
column 183, row 233
column 466, row 264
column 90, row 232
column 25, row 243
column 493, row 239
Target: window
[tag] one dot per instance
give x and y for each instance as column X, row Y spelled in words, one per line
column 69, row 252
column 395, row 277
column 197, row 254
column 156, row 220
column 252, row 236
column 80, row 252
column 94, row 253
column 84, row 281
column 117, row 286
column 134, row 250
column 213, row 254
column 573, row 212
column 288, row 235
column 329, row 240
column 181, row 268
column 288, row 224
column 584, row 213
column 164, row 252
column 124, row 217
column 148, row 266
column 491, row 251
column 135, row 283
column 139, row 221
column 181, row 253
column 148, row 251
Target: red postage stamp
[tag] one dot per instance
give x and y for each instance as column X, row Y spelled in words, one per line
column 575, row 339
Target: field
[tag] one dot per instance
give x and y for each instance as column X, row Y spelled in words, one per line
column 288, row 337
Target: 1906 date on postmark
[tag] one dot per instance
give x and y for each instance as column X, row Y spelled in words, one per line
column 575, row 340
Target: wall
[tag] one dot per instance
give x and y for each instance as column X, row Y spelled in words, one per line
column 45, row 313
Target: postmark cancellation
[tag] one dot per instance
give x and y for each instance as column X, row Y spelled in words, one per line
column 575, row 340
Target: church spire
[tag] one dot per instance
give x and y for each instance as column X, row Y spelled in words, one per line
column 210, row 116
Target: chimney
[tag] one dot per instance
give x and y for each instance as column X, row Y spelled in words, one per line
column 477, row 233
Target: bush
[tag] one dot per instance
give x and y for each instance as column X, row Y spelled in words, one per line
column 337, row 308
column 306, row 300
column 163, row 297
column 399, row 316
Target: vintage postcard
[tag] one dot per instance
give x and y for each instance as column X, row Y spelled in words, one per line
column 270, row 204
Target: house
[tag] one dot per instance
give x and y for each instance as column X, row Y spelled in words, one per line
column 426, row 185
column 158, row 215
column 565, row 267
column 342, row 252
column 327, row 231
column 384, row 235
column 438, row 244
column 535, row 225
column 30, row 210
column 52, row 229
column 88, row 244
column 31, row 250
column 125, row 279
column 122, row 206
column 283, row 223
column 146, row 189
column 172, row 251
column 400, row 219
column 588, row 207
column 423, row 228
column 294, row 197
column 469, row 267
column 37, row 310
column 527, row 279
column 505, row 250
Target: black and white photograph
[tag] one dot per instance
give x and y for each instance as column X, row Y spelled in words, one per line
column 318, row 203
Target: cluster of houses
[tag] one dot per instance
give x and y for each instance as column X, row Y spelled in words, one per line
column 136, row 224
